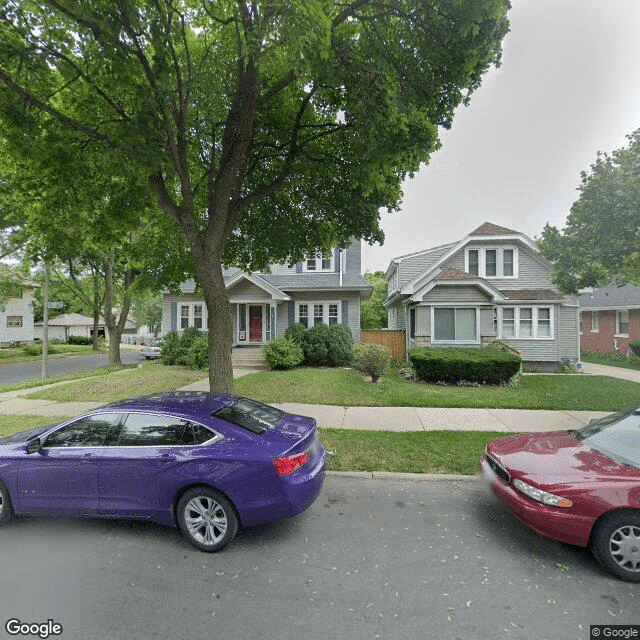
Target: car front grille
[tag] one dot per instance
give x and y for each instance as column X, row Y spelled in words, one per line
column 498, row 469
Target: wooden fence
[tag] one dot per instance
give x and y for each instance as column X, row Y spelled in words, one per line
column 395, row 340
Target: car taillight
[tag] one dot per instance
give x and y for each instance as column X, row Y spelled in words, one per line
column 288, row 464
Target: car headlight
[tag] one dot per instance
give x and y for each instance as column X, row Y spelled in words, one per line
column 541, row 496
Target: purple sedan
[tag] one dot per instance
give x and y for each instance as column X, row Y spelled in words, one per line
column 204, row 462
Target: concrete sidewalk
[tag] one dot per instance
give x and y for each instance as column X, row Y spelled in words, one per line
column 373, row 418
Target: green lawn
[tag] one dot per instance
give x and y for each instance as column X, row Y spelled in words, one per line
column 149, row 378
column 611, row 359
column 455, row 452
column 346, row 387
column 13, row 424
column 10, row 356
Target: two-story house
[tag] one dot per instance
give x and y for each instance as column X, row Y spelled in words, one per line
column 494, row 283
column 16, row 312
column 324, row 288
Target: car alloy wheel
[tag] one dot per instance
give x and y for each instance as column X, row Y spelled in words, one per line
column 207, row 519
column 616, row 544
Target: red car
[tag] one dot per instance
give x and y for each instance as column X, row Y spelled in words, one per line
column 581, row 487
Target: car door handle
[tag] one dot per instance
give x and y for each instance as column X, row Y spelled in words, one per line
column 89, row 458
column 166, row 457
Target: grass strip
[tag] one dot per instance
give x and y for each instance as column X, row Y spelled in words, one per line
column 14, row 423
column 149, row 378
column 612, row 359
column 455, row 452
column 346, row 387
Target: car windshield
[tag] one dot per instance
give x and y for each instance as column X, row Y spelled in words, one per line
column 250, row 415
column 617, row 436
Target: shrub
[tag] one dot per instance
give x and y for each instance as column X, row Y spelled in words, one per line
column 79, row 340
column 314, row 345
column 372, row 359
column 486, row 366
column 339, row 345
column 634, row 345
column 169, row 350
column 36, row 350
column 283, row 353
column 176, row 347
column 295, row 333
column 197, row 356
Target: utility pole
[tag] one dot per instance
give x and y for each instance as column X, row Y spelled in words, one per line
column 45, row 321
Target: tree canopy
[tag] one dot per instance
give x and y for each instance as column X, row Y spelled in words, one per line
column 600, row 242
column 373, row 315
column 266, row 130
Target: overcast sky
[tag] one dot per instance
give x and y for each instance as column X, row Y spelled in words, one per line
column 569, row 85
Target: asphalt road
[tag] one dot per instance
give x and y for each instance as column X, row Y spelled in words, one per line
column 17, row 372
column 370, row 559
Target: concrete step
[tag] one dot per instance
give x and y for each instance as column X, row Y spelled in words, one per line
column 249, row 359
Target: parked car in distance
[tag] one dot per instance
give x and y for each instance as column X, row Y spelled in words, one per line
column 152, row 350
column 580, row 487
column 206, row 463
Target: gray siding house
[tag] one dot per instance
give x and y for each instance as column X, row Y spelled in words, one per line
column 16, row 316
column 493, row 283
column 324, row 288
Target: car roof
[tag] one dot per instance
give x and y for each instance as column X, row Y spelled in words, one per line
column 182, row 403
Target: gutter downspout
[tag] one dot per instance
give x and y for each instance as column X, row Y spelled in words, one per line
column 406, row 330
column 341, row 267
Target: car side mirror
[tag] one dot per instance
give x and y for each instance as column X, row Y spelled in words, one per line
column 34, row 446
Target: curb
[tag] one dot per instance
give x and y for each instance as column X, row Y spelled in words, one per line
column 404, row 477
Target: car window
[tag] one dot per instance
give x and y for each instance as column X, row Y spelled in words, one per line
column 90, row 431
column 617, row 436
column 250, row 415
column 148, row 430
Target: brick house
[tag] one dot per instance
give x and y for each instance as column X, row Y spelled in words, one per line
column 609, row 318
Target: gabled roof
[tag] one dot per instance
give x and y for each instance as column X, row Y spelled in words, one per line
column 611, row 297
column 532, row 294
column 449, row 273
column 71, row 320
column 490, row 229
column 259, row 281
column 454, row 277
column 487, row 229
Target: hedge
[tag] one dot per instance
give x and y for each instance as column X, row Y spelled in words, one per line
column 484, row 366
column 634, row 345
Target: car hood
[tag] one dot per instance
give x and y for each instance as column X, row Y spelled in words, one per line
column 23, row 436
column 556, row 457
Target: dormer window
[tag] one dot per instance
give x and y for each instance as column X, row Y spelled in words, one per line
column 320, row 262
column 492, row 262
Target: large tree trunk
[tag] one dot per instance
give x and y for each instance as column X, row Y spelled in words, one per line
column 220, row 326
column 115, row 326
column 96, row 310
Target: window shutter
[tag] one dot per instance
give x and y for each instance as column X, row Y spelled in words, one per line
column 273, row 323
column 298, row 267
column 345, row 312
column 174, row 316
column 337, row 256
column 292, row 312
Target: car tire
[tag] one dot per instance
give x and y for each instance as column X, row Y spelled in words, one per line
column 207, row 519
column 6, row 510
column 616, row 544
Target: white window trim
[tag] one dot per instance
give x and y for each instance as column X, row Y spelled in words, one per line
column 318, row 258
column 191, row 316
column 482, row 262
column 618, row 333
column 534, row 314
column 453, row 306
column 325, row 311
column 595, row 326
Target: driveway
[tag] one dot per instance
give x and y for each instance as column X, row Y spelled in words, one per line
column 384, row 559
column 614, row 372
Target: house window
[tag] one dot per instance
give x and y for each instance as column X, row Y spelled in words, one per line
column 412, row 323
column 14, row 321
column 320, row 262
column 622, row 323
column 474, row 263
column 526, row 323
column 303, row 315
column 197, row 316
column 595, row 322
column 455, row 324
column 498, row 262
column 323, row 312
column 184, row 316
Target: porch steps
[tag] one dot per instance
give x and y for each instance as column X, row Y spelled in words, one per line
column 248, row 358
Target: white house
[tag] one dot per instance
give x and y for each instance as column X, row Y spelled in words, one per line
column 16, row 318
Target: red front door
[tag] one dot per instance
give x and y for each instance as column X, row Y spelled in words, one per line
column 255, row 323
